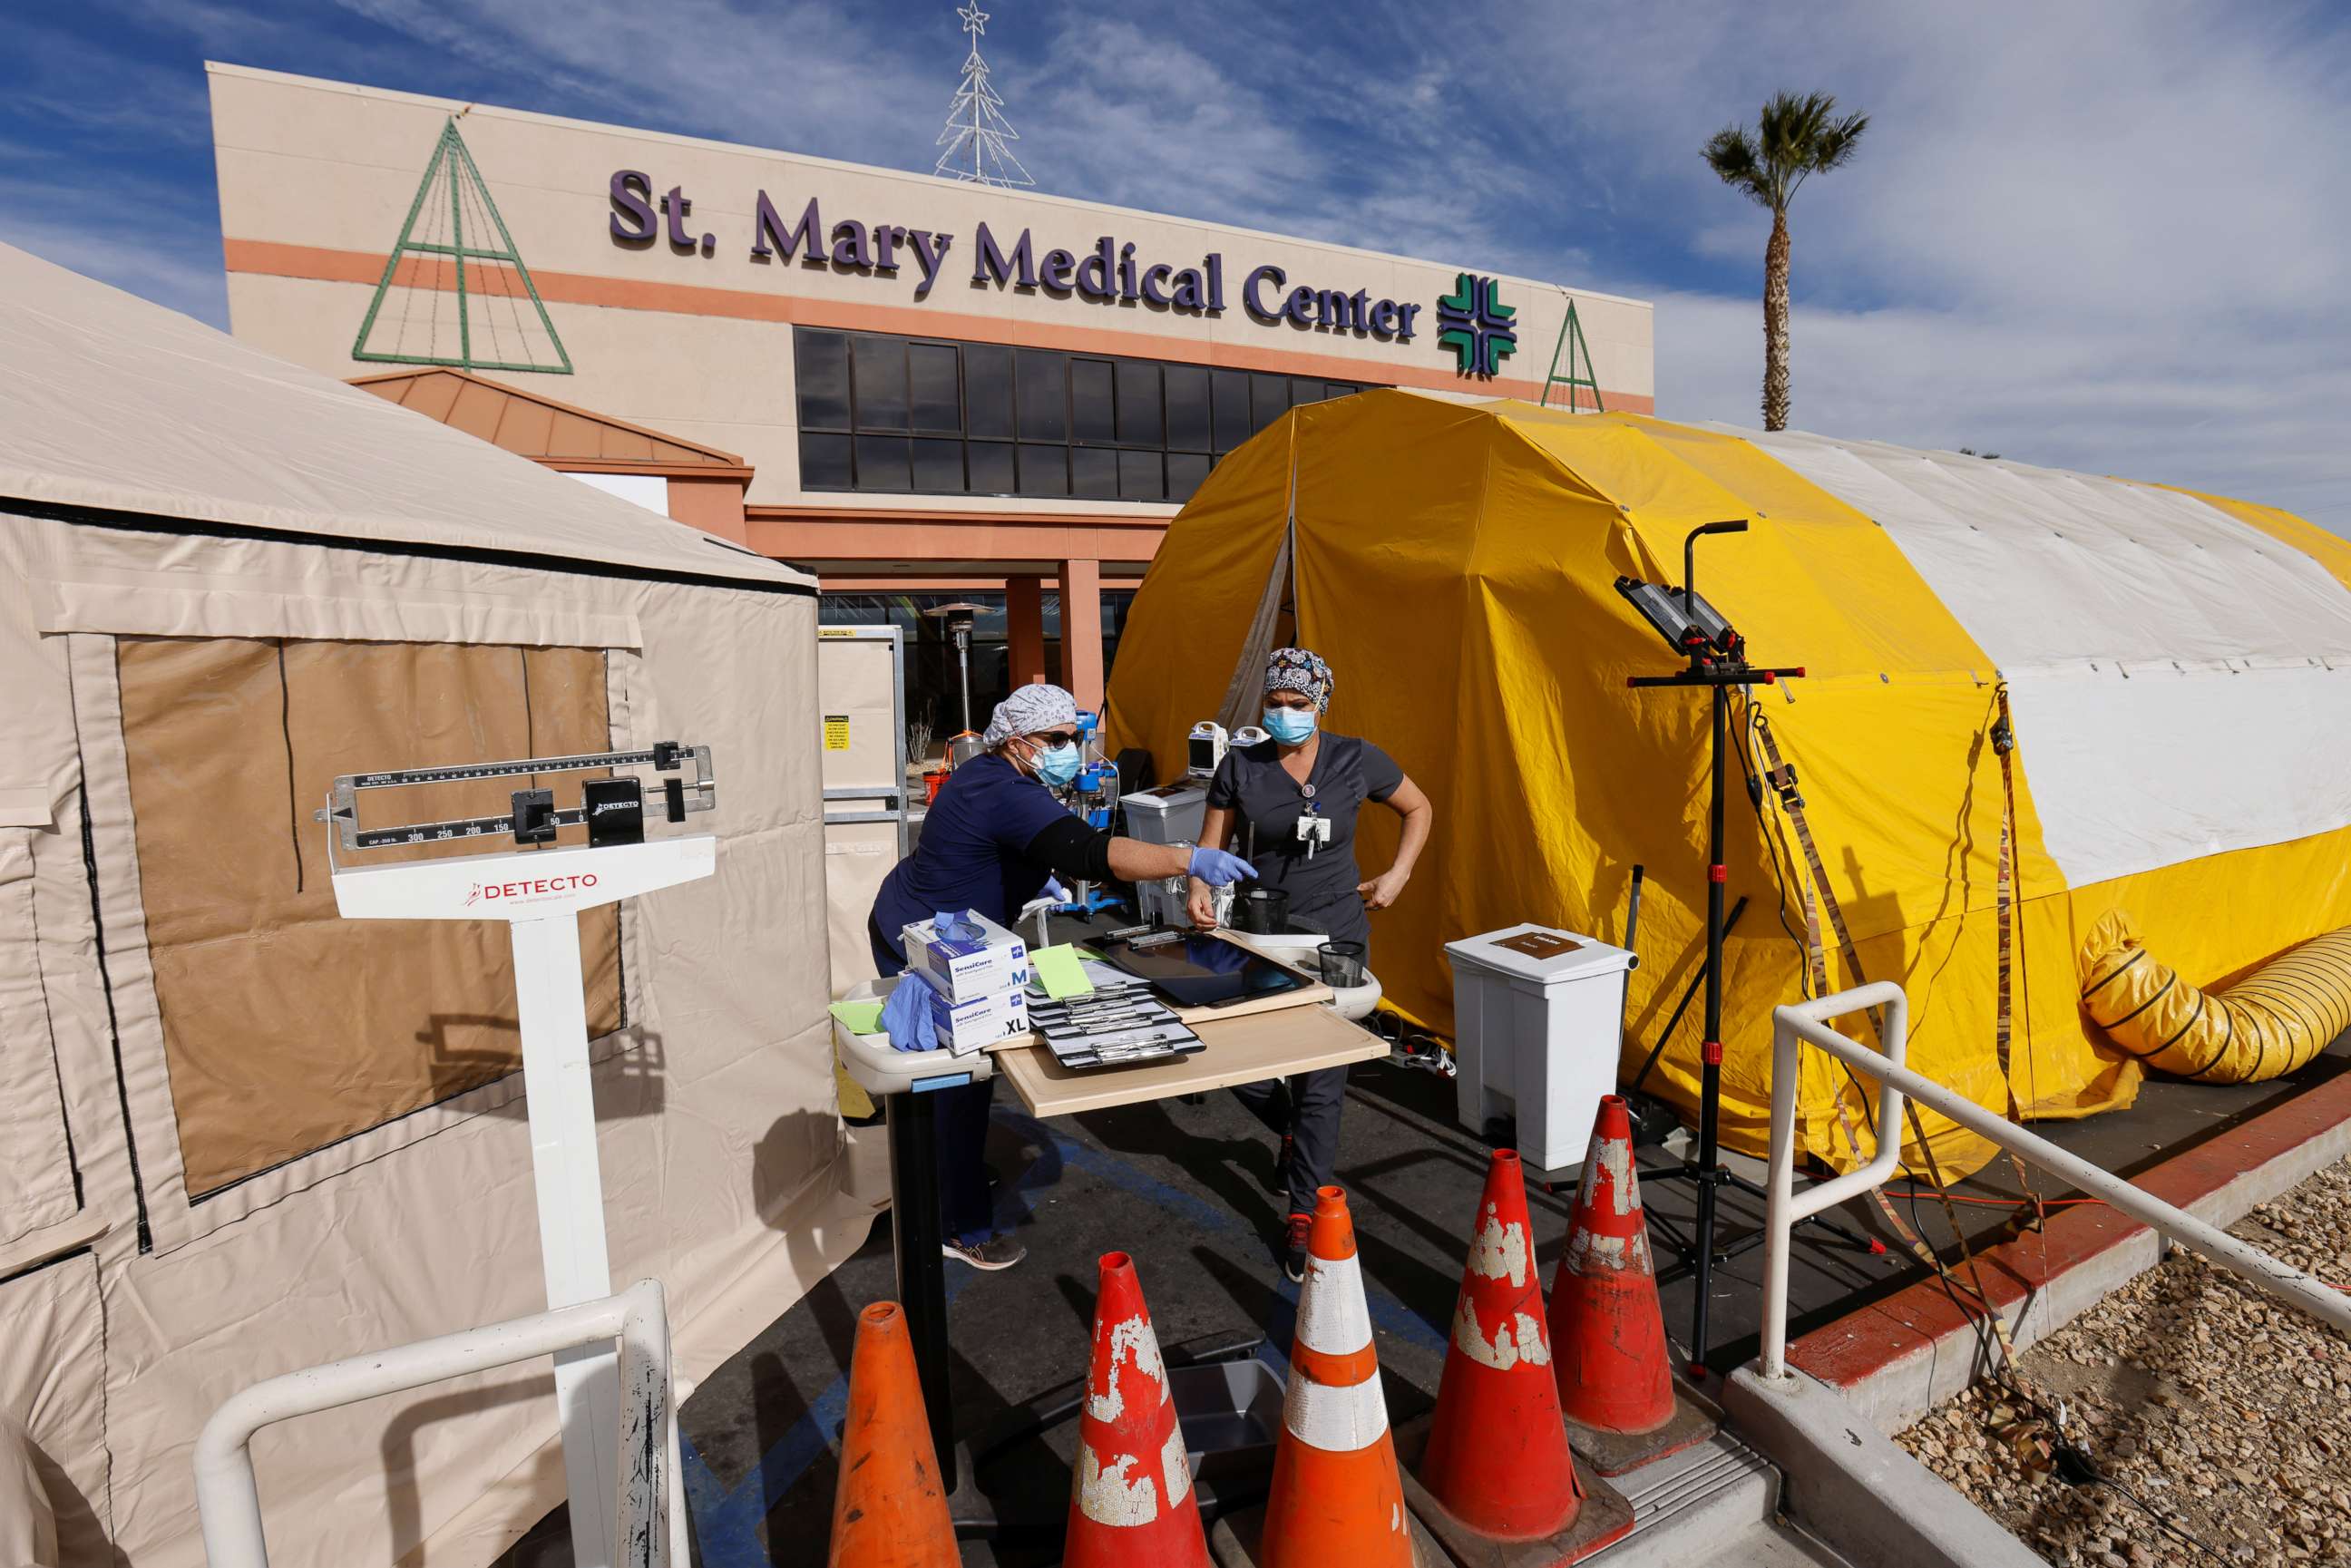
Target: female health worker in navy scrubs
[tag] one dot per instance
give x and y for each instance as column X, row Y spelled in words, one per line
column 994, row 840
column 1306, row 772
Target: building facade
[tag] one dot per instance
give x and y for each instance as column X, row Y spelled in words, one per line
column 921, row 388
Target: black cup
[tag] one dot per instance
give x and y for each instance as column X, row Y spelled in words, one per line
column 1342, row 963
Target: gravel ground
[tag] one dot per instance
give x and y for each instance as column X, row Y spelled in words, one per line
column 2228, row 1414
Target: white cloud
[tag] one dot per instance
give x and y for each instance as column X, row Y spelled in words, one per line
column 148, row 238
column 1946, row 380
column 2107, row 236
column 827, row 80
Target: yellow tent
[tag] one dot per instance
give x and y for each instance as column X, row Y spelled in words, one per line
column 2179, row 671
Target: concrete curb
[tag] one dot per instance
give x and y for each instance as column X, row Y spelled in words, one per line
column 1897, row 1359
column 1848, row 1485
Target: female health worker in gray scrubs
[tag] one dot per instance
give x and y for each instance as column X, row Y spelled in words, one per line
column 1305, row 771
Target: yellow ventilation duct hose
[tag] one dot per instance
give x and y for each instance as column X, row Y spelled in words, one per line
column 2264, row 1026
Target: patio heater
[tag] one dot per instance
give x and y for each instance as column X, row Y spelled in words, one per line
column 964, row 744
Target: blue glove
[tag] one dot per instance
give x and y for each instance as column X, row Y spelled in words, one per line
column 1054, row 891
column 906, row 1015
column 1219, row 869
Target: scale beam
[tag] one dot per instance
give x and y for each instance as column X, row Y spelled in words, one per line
column 535, row 819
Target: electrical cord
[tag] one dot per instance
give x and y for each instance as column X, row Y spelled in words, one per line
column 2073, row 1463
column 2076, row 1467
column 1773, row 832
column 1773, row 848
column 2007, row 1202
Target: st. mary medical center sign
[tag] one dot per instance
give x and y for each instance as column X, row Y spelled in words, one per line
column 1471, row 322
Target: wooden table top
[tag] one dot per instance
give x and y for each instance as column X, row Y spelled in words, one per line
column 1246, row 1049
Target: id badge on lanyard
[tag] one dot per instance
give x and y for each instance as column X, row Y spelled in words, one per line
column 1313, row 828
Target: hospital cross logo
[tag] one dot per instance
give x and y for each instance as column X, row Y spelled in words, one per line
column 1476, row 325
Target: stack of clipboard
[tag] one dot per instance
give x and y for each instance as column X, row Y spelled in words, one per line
column 1111, row 1025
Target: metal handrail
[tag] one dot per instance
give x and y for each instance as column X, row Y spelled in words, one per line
column 1807, row 1024
column 228, row 1500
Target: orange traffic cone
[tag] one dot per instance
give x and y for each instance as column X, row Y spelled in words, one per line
column 888, row 1510
column 1497, row 1458
column 1608, row 1331
column 1336, row 1500
column 1131, row 1502
column 1491, row 1474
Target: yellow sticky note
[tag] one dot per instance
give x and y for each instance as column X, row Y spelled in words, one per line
column 1059, row 968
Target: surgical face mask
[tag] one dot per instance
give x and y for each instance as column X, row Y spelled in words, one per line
column 1056, row 765
column 1289, row 726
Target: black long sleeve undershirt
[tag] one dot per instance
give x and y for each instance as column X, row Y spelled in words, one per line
column 1073, row 851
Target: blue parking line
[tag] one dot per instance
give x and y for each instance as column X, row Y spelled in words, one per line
column 726, row 1521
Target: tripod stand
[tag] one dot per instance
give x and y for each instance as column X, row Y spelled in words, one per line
column 1717, row 662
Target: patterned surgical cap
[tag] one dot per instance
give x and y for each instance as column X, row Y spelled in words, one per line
column 1027, row 711
column 1296, row 670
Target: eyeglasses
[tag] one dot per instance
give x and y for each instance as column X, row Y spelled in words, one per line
column 1057, row 737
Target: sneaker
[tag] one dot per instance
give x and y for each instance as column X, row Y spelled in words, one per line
column 999, row 1252
column 1294, row 1263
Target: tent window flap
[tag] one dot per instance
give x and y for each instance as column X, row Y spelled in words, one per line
column 287, row 1028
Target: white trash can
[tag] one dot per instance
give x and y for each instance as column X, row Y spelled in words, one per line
column 1538, row 1018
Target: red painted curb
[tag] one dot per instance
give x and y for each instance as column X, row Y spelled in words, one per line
column 1865, row 1342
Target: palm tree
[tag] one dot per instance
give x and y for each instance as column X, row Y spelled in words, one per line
column 1795, row 138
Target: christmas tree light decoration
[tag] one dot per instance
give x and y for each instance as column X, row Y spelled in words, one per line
column 977, row 133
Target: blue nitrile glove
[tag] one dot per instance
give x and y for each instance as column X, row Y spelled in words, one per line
column 906, row 1015
column 950, row 926
column 1054, row 891
column 1219, row 868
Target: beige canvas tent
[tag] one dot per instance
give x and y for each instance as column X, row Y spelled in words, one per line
column 238, row 1135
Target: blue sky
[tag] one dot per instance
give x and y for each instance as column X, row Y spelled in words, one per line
column 2109, row 234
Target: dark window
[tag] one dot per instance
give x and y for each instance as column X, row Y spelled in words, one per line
column 1093, row 473
column 1185, row 472
column 824, row 461
column 881, row 464
column 991, row 467
column 1044, row 396
column 1091, row 417
column 938, row 466
column 896, row 415
column 1044, row 470
column 987, row 391
column 1269, row 400
column 1139, row 476
column 1187, row 409
column 1138, row 405
column 820, row 361
column 937, row 398
column 1231, row 398
column 878, row 376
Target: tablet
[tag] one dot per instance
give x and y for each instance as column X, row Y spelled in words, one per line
column 1193, row 969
